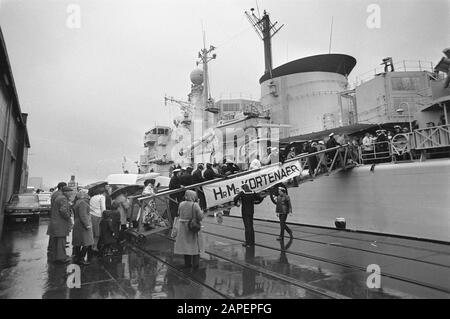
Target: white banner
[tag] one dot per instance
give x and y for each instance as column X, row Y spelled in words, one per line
column 224, row 191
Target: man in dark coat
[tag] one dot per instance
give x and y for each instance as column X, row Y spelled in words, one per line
column 230, row 168
column 186, row 177
column 60, row 226
column 55, row 194
column 177, row 198
column 197, row 178
column 209, row 173
column 330, row 144
column 312, row 160
column 248, row 200
column 382, row 144
column 108, row 199
column 107, row 236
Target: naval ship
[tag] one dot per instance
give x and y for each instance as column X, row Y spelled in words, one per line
column 402, row 192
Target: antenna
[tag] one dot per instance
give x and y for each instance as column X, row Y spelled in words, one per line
column 204, row 35
column 257, row 8
column 331, row 34
column 204, row 57
column 265, row 30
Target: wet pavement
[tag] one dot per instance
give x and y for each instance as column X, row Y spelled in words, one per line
column 317, row 263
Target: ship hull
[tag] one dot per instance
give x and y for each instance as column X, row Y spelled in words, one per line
column 407, row 199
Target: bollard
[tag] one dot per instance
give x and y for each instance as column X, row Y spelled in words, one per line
column 340, row 223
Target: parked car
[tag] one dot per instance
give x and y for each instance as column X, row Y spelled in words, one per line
column 44, row 202
column 23, row 207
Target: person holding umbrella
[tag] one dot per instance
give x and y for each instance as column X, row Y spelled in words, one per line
column 82, row 236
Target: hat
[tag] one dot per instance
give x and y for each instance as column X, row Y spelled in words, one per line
column 176, row 170
column 61, row 184
column 321, row 142
column 331, row 134
column 66, row 189
column 397, row 126
column 282, row 189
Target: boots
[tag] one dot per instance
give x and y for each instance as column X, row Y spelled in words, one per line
column 83, row 253
column 76, row 251
column 90, row 254
column 195, row 261
column 187, row 261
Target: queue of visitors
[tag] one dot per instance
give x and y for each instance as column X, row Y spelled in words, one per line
column 97, row 226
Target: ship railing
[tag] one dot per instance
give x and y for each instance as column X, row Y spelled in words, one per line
column 399, row 66
column 376, row 152
column 334, row 159
column 431, row 137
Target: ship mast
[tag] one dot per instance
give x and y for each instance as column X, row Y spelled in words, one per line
column 204, row 57
column 265, row 30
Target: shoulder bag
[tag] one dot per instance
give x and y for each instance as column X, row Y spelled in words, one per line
column 194, row 224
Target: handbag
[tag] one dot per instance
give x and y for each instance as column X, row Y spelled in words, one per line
column 194, row 224
column 176, row 223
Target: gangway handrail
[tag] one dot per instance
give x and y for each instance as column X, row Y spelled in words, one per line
column 194, row 186
column 437, row 136
column 364, row 153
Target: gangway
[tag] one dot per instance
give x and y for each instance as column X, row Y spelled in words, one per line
column 334, row 159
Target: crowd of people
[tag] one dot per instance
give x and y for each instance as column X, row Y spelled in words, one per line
column 364, row 148
column 95, row 219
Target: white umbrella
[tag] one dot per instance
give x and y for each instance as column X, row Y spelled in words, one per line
column 130, row 179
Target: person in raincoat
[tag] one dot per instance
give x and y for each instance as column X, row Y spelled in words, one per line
column 82, row 236
column 60, row 226
column 188, row 243
column 55, row 194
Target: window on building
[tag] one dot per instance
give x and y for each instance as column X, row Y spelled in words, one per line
column 231, row 107
column 405, row 83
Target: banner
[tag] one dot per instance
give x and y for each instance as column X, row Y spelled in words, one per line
column 224, row 191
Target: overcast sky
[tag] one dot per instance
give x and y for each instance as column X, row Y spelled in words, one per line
column 92, row 92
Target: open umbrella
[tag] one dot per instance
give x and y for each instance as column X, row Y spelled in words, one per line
column 130, row 179
column 94, row 186
column 129, row 190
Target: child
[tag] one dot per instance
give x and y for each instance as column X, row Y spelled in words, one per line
column 115, row 216
column 283, row 208
column 107, row 238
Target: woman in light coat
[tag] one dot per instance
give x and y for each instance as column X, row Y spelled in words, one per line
column 188, row 243
column 82, row 236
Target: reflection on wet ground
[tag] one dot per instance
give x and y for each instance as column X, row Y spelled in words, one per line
column 25, row 272
column 271, row 269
